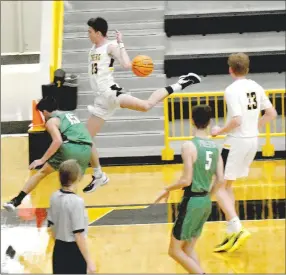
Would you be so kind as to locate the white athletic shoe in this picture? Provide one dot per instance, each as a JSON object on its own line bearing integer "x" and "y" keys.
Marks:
{"x": 10, "y": 205}
{"x": 189, "y": 79}
{"x": 96, "y": 182}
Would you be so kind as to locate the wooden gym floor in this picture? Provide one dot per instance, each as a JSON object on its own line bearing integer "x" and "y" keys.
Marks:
{"x": 129, "y": 235}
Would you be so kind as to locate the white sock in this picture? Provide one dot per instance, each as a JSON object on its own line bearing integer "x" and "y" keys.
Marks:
{"x": 233, "y": 226}
{"x": 176, "y": 87}
{"x": 97, "y": 172}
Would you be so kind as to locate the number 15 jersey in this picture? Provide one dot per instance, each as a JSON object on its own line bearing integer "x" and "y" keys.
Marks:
{"x": 71, "y": 128}
{"x": 100, "y": 68}
{"x": 245, "y": 98}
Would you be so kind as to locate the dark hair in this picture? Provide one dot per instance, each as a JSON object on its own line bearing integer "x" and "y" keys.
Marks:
{"x": 201, "y": 115}
{"x": 98, "y": 24}
{"x": 239, "y": 63}
{"x": 69, "y": 172}
{"x": 48, "y": 103}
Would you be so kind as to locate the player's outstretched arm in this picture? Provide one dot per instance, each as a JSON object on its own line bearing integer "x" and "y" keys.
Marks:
{"x": 52, "y": 127}
{"x": 119, "y": 52}
{"x": 188, "y": 155}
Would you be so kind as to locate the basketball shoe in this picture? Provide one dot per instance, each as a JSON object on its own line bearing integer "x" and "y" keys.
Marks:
{"x": 189, "y": 79}
{"x": 239, "y": 239}
{"x": 97, "y": 180}
{"x": 233, "y": 241}
{"x": 11, "y": 205}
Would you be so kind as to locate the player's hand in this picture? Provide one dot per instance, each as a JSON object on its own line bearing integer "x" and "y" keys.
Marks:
{"x": 36, "y": 163}
{"x": 91, "y": 268}
{"x": 118, "y": 36}
{"x": 163, "y": 195}
{"x": 215, "y": 131}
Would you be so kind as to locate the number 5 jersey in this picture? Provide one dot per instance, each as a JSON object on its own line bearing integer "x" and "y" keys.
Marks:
{"x": 204, "y": 168}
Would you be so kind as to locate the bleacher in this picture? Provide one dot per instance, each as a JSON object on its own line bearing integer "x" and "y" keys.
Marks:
{"x": 180, "y": 36}
{"x": 203, "y": 33}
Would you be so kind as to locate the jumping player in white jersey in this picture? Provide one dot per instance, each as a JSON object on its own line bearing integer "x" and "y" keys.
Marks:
{"x": 108, "y": 94}
{"x": 245, "y": 100}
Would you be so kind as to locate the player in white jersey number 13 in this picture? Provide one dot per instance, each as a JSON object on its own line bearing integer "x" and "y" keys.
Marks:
{"x": 108, "y": 94}
{"x": 245, "y": 99}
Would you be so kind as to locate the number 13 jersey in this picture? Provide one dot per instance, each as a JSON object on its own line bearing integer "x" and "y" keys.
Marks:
{"x": 100, "y": 68}
{"x": 245, "y": 98}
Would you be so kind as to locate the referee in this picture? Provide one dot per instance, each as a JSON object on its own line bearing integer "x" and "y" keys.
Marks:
{"x": 68, "y": 221}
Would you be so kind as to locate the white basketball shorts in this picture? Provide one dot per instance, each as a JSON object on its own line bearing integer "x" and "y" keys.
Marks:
{"x": 105, "y": 103}
{"x": 237, "y": 155}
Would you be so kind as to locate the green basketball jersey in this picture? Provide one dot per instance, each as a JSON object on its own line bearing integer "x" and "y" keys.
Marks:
{"x": 72, "y": 128}
{"x": 205, "y": 165}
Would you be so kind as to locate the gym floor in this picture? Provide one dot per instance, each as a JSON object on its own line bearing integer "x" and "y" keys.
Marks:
{"x": 128, "y": 234}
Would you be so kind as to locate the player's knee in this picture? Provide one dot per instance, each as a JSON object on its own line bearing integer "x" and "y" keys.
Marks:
{"x": 44, "y": 171}
{"x": 41, "y": 174}
{"x": 222, "y": 186}
{"x": 146, "y": 106}
{"x": 172, "y": 252}
{"x": 228, "y": 186}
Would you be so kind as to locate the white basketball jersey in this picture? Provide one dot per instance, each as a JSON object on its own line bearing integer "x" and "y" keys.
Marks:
{"x": 100, "y": 68}
{"x": 246, "y": 98}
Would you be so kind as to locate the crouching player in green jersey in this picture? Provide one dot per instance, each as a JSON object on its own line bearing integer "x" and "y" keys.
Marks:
{"x": 201, "y": 161}
{"x": 70, "y": 140}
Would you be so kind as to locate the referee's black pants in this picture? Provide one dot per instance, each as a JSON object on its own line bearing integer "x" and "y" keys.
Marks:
{"x": 67, "y": 259}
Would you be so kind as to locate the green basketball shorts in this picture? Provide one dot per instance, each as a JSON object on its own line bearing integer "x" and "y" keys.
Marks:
{"x": 193, "y": 213}
{"x": 79, "y": 152}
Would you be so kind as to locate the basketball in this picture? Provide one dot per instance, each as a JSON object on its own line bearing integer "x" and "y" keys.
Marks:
{"x": 142, "y": 65}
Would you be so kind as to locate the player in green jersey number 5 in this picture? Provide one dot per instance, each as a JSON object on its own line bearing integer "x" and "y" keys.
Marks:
{"x": 201, "y": 161}
{"x": 70, "y": 140}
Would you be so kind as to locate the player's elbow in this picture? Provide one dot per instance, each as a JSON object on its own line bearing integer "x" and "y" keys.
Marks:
{"x": 271, "y": 113}
{"x": 237, "y": 121}
{"x": 127, "y": 65}
{"x": 58, "y": 142}
{"x": 186, "y": 181}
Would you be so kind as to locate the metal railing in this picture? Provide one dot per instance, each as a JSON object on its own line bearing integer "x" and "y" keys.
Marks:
{"x": 57, "y": 37}
{"x": 181, "y": 129}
